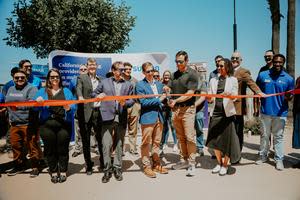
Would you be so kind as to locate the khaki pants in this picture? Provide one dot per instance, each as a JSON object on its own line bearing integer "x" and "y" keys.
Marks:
{"x": 184, "y": 123}
{"x": 20, "y": 138}
{"x": 133, "y": 115}
{"x": 151, "y": 135}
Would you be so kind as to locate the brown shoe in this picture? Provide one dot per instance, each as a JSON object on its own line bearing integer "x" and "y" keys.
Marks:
{"x": 160, "y": 169}
{"x": 149, "y": 172}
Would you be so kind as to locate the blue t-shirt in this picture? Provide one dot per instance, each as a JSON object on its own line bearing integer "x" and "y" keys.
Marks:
{"x": 270, "y": 84}
{"x": 72, "y": 85}
{"x": 7, "y": 86}
{"x": 2, "y": 98}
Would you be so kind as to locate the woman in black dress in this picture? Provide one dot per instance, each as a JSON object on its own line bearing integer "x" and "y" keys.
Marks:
{"x": 221, "y": 132}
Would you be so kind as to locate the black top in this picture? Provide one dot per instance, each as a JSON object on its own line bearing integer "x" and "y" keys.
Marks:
{"x": 57, "y": 111}
{"x": 219, "y": 108}
{"x": 202, "y": 87}
{"x": 180, "y": 83}
{"x": 296, "y": 106}
{"x": 264, "y": 68}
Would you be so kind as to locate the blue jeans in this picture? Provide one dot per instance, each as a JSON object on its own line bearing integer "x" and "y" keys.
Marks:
{"x": 168, "y": 124}
{"x": 199, "y": 124}
{"x": 275, "y": 125}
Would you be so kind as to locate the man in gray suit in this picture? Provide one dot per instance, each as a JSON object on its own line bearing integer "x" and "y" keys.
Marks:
{"x": 114, "y": 116}
{"x": 88, "y": 114}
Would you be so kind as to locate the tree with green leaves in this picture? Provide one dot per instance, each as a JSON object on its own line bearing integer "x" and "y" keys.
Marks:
{"x": 94, "y": 26}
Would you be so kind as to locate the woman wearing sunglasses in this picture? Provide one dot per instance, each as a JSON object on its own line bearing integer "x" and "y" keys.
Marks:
{"x": 55, "y": 125}
{"x": 222, "y": 135}
{"x": 21, "y": 134}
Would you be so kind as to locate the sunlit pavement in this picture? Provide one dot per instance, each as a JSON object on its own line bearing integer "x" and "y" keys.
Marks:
{"x": 243, "y": 181}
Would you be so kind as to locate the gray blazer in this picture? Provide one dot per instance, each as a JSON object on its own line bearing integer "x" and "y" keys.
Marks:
{"x": 108, "y": 108}
{"x": 84, "y": 88}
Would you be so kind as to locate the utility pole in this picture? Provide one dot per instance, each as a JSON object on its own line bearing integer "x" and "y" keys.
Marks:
{"x": 234, "y": 28}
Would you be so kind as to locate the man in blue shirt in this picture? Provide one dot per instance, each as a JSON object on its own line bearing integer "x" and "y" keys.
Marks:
{"x": 26, "y": 66}
{"x": 274, "y": 109}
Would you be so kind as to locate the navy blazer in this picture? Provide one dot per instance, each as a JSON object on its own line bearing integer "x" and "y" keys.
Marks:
{"x": 108, "y": 108}
{"x": 151, "y": 108}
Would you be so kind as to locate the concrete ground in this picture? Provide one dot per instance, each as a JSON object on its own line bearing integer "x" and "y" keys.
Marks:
{"x": 244, "y": 181}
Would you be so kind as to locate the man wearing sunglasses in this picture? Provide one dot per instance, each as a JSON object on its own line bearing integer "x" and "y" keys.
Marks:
{"x": 21, "y": 134}
{"x": 151, "y": 121}
{"x": 269, "y": 64}
{"x": 156, "y": 75}
{"x": 184, "y": 81}
{"x": 244, "y": 80}
{"x": 133, "y": 112}
{"x": 268, "y": 59}
{"x": 26, "y": 66}
{"x": 114, "y": 120}
{"x": 215, "y": 73}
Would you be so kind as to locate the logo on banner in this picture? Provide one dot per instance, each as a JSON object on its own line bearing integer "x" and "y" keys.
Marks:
{"x": 68, "y": 66}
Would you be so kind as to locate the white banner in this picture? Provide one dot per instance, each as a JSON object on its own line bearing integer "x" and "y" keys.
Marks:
{"x": 68, "y": 62}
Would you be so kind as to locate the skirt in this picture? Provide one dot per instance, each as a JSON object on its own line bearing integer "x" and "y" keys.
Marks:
{"x": 222, "y": 136}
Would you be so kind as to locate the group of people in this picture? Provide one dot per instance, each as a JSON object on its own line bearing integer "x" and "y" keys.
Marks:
{"x": 107, "y": 121}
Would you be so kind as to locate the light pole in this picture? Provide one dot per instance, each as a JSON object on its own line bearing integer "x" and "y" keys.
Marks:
{"x": 234, "y": 28}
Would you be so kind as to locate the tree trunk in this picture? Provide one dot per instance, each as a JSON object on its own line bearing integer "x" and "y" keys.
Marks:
{"x": 290, "y": 48}
{"x": 275, "y": 16}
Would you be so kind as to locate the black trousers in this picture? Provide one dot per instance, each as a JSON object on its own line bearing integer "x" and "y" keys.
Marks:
{"x": 85, "y": 132}
{"x": 239, "y": 126}
{"x": 56, "y": 135}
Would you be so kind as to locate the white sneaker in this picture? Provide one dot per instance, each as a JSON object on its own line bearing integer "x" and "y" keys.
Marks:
{"x": 175, "y": 148}
{"x": 223, "y": 171}
{"x": 216, "y": 169}
{"x": 279, "y": 165}
{"x": 164, "y": 147}
{"x": 191, "y": 171}
{"x": 181, "y": 165}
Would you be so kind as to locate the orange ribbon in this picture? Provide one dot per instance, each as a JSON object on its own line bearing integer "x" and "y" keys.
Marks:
{"x": 117, "y": 98}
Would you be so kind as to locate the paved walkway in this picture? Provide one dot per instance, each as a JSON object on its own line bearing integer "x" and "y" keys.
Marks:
{"x": 245, "y": 181}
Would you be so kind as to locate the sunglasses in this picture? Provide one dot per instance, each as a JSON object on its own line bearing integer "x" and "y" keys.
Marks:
{"x": 83, "y": 70}
{"x": 221, "y": 66}
{"x": 155, "y": 76}
{"x": 268, "y": 58}
{"x": 275, "y": 62}
{"x": 235, "y": 58}
{"x": 54, "y": 77}
{"x": 179, "y": 61}
{"x": 19, "y": 77}
{"x": 149, "y": 71}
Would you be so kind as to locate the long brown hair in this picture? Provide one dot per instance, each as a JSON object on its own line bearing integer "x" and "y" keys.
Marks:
{"x": 48, "y": 83}
{"x": 163, "y": 79}
{"x": 228, "y": 66}
{"x": 297, "y": 83}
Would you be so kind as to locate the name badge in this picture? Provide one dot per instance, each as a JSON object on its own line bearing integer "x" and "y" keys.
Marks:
{"x": 267, "y": 81}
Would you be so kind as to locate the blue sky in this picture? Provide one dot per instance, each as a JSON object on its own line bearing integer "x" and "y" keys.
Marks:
{"x": 201, "y": 27}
